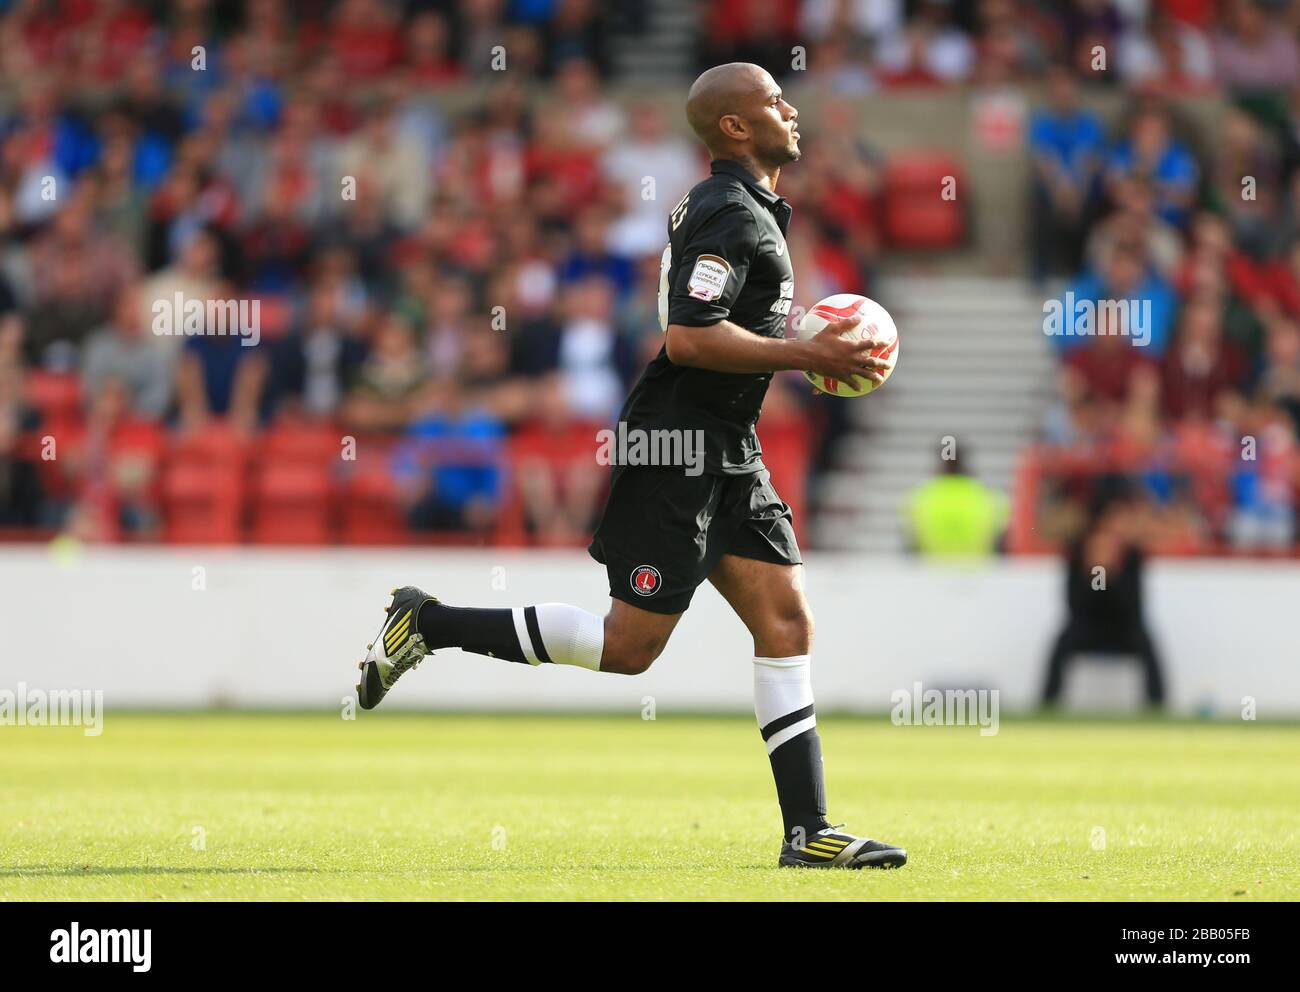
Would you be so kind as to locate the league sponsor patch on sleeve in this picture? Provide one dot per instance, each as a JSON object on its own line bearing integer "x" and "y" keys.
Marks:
{"x": 708, "y": 278}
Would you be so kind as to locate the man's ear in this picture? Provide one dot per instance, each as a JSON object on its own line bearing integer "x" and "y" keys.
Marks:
{"x": 733, "y": 127}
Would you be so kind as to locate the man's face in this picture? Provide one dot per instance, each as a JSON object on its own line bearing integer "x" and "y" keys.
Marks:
{"x": 774, "y": 124}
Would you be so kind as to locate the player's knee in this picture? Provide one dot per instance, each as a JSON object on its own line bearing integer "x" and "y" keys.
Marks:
{"x": 785, "y": 634}
{"x": 629, "y": 659}
{"x": 624, "y": 654}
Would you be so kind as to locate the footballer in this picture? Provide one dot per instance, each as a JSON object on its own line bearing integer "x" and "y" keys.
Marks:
{"x": 725, "y": 293}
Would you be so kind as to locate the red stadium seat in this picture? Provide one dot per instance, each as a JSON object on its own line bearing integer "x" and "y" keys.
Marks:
{"x": 371, "y": 511}
{"x": 57, "y": 397}
{"x": 291, "y": 505}
{"x": 916, "y": 213}
{"x": 293, "y": 442}
{"x": 201, "y": 504}
{"x": 203, "y": 486}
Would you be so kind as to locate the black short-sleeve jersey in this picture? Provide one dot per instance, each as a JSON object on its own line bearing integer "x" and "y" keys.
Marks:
{"x": 726, "y": 260}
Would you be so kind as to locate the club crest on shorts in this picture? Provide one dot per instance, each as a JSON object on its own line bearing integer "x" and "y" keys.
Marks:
{"x": 645, "y": 580}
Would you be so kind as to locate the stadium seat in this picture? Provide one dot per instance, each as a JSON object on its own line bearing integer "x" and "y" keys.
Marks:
{"x": 291, "y": 505}
{"x": 203, "y": 486}
{"x": 201, "y": 504}
{"x": 371, "y": 511}
{"x": 916, "y": 214}
{"x": 56, "y": 396}
{"x": 294, "y": 442}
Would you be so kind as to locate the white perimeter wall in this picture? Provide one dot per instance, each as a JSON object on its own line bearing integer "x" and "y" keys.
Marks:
{"x": 286, "y": 629}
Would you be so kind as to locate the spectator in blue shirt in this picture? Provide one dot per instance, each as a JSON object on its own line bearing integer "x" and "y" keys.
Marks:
{"x": 1067, "y": 145}
{"x": 1152, "y": 154}
{"x": 1149, "y": 310}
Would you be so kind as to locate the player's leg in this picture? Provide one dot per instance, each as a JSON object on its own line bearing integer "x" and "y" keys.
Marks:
{"x": 769, "y": 600}
{"x": 760, "y": 574}
{"x": 650, "y": 543}
{"x": 626, "y": 641}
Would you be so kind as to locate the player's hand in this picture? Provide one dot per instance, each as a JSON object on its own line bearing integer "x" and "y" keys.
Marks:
{"x": 838, "y": 357}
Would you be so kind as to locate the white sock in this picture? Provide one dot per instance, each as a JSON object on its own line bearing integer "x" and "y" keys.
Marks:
{"x": 565, "y": 635}
{"x": 783, "y": 689}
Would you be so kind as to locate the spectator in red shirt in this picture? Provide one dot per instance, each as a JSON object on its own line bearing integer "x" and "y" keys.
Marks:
{"x": 364, "y": 38}
{"x": 427, "y": 58}
{"x": 1201, "y": 366}
{"x": 1109, "y": 366}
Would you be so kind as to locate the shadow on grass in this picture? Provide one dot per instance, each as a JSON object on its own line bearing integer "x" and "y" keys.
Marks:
{"x": 83, "y": 871}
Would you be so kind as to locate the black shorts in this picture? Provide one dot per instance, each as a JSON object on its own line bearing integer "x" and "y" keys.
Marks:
{"x": 663, "y": 531}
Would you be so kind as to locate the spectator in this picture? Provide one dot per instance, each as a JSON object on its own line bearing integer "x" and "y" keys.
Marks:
{"x": 592, "y": 257}
{"x": 649, "y": 153}
{"x": 427, "y": 50}
{"x": 1171, "y": 55}
{"x": 390, "y": 382}
{"x": 839, "y": 67}
{"x": 1066, "y": 144}
{"x": 1104, "y": 579}
{"x": 1263, "y": 486}
{"x": 451, "y": 465}
{"x": 927, "y": 51}
{"x": 1092, "y": 30}
{"x": 594, "y": 362}
{"x": 220, "y": 375}
{"x": 388, "y": 164}
{"x": 560, "y": 482}
{"x": 1134, "y": 224}
{"x": 1151, "y": 153}
{"x": 1277, "y": 379}
{"x": 759, "y": 31}
{"x": 1254, "y": 50}
{"x": 313, "y": 368}
{"x": 1109, "y": 368}
{"x": 21, "y": 503}
{"x": 1246, "y": 175}
{"x": 1200, "y": 366}
{"x": 1148, "y": 303}
{"x": 868, "y": 19}
{"x": 112, "y": 467}
{"x": 122, "y": 351}
{"x": 194, "y": 276}
{"x": 955, "y": 515}
{"x": 596, "y": 121}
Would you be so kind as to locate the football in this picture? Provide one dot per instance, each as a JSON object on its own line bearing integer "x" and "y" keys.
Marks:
{"x": 876, "y": 323}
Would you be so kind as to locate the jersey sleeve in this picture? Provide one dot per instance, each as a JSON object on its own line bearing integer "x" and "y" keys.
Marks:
{"x": 715, "y": 261}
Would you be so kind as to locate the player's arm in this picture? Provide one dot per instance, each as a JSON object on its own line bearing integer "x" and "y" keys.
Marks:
{"x": 728, "y": 347}
{"x": 695, "y": 310}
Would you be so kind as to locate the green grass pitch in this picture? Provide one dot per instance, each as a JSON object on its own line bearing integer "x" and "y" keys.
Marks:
{"x": 432, "y": 806}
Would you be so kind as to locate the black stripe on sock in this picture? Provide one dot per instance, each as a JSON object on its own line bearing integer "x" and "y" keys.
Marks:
{"x": 781, "y": 722}
{"x": 535, "y": 634}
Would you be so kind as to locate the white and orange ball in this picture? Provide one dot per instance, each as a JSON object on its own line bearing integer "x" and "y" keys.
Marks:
{"x": 876, "y": 323}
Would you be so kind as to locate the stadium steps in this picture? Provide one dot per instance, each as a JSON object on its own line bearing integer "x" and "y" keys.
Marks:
{"x": 664, "y": 46}
{"x": 974, "y": 365}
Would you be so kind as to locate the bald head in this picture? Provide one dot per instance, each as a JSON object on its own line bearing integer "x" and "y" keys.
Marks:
{"x": 722, "y": 90}
{"x": 739, "y": 113}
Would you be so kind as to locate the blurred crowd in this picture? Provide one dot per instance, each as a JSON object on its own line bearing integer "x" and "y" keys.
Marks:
{"x": 461, "y": 283}
{"x": 1190, "y": 396}
{"x": 457, "y": 258}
